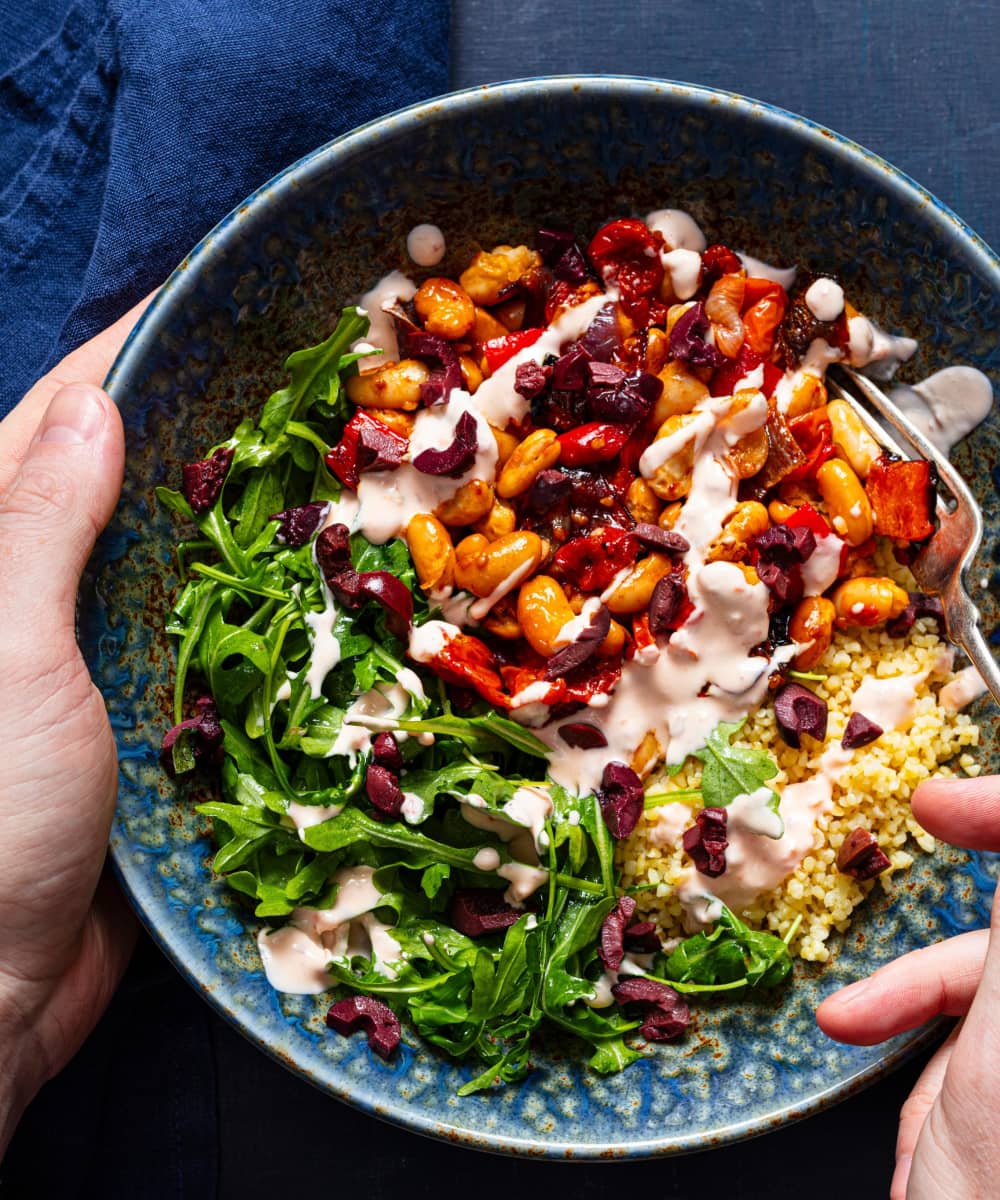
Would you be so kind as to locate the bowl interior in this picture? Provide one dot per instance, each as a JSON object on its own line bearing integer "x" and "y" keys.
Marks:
{"x": 489, "y": 166}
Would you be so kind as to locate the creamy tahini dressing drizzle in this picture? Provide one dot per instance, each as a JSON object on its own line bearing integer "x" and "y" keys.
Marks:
{"x": 378, "y": 709}
{"x": 382, "y": 329}
{"x": 388, "y": 499}
{"x": 680, "y": 230}
{"x": 425, "y": 245}
{"x": 495, "y": 397}
{"x": 295, "y": 956}
{"x": 968, "y": 685}
{"x": 947, "y": 405}
{"x": 756, "y": 862}
{"x": 890, "y": 702}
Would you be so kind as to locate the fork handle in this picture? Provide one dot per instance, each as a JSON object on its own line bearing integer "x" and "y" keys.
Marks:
{"x": 963, "y": 628}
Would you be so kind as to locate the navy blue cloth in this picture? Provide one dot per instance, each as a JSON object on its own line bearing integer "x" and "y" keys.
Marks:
{"x": 137, "y": 124}
{"x": 913, "y": 80}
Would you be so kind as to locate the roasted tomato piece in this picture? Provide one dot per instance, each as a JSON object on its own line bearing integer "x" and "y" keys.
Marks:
{"x": 629, "y": 253}
{"x": 366, "y": 444}
{"x": 592, "y": 679}
{"x": 903, "y": 497}
{"x": 467, "y": 662}
{"x": 726, "y": 377}
{"x": 591, "y": 562}
{"x": 498, "y": 350}
{"x": 814, "y": 434}
{"x": 595, "y": 442}
{"x": 718, "y": 260}
{"x": 764, "y": 307}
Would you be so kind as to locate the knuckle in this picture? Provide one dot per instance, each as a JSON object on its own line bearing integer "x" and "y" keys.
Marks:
{"x": 38, "y": 495}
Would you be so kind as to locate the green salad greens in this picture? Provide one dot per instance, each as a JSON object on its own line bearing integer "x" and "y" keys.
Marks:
{"x": 245, "y": 623}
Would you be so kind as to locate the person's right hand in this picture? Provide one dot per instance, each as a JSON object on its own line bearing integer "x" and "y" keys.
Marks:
{"x": 65, "y": 936}
{"x": 948, "y": 1147}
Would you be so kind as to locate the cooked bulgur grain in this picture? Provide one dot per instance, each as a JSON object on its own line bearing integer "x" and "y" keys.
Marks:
{"x": 873, "y": 791}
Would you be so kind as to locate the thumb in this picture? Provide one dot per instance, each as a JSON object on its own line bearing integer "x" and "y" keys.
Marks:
{"x": 50, "y": 515}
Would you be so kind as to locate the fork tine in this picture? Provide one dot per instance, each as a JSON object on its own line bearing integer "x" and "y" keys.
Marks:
{"x": 964, "y": 523}
{"x": 921, "y": 446}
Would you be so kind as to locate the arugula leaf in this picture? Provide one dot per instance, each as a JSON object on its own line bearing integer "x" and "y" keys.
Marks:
{"x": 732, "y": 771}
{"x": 314, "y": 375}
{"x": 733, "y": 955}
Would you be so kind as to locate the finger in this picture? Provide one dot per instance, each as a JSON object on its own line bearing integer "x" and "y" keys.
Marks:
{"x": 977, "y": 1054}
{"x": 965, "y": 812}
{"x": 914, "y": 1113}
{"x": 938, "y": 980}
{"x": 50, "y": 515}
{"x": 89, "y": 363}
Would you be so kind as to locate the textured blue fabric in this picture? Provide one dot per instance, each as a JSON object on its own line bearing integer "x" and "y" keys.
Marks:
{"x": 913, "y": 80}
{"x": 136, "y": 124}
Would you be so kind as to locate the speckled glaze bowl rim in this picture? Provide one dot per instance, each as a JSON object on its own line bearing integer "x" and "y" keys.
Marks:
{"x": 876, "y": 173}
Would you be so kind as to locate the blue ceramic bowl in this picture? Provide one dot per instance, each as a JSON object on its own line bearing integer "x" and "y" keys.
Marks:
{"x": 489, "y": 165}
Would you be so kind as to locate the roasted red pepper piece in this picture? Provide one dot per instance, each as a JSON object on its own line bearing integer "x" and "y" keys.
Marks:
{"x": 498, "y": 350}
{"x": 814, "y": 434}
{"x": 642, "y": 637}
{"x": 764, "y": 307}
{"x": 595, "y": 442}
{"x": 903, "y": 497}
{"x": 350, "y": 458}
{"x": 806, "y": 515}
{"x": 591, "y": 562}
{"x": 628, "y": 252}
{"x": 468, "y": 663}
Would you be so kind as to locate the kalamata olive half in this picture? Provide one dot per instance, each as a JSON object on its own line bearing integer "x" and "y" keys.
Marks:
{"x": 457, "y": 458}
{"x": 860, "y": 731}
{"x": 798, "y": 710}
{"x": 375, "y": 1017}
{"x": 583, "y": 649}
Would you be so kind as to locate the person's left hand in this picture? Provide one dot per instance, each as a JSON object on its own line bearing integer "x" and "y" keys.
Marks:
{"x": 65, "y": 933}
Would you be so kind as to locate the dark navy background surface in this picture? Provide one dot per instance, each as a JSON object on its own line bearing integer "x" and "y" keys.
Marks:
{"x": 165, "y": 1099}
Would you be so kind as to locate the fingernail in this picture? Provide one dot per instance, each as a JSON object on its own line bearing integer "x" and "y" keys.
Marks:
{"x": 852, "y": 993}
{"x": 75, "y": 414}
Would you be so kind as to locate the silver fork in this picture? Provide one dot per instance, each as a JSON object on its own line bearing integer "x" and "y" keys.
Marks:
{"x": 940, "y": 565}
